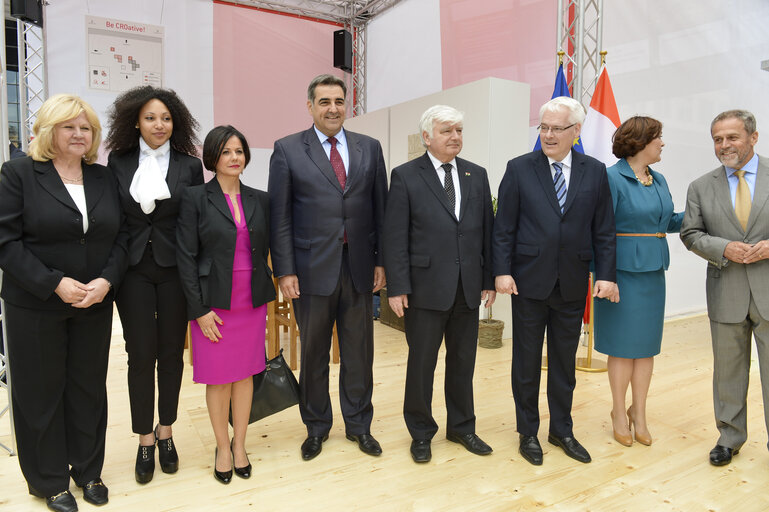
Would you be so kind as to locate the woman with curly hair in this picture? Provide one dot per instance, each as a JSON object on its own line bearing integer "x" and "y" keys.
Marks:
{"x": 152, "y": 139}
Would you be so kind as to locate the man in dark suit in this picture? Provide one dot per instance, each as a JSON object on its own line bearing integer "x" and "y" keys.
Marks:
{"x": 437, "y": 243}
{"x": 327, "y": 191}
{"x": 554, "y": 216}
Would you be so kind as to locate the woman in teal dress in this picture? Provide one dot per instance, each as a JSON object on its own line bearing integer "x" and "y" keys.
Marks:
{"x": 630, "y": 331}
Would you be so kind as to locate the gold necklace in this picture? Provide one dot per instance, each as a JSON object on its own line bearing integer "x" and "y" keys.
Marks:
{"x": 648, "y": 182}
{"x": 68, "y": 180}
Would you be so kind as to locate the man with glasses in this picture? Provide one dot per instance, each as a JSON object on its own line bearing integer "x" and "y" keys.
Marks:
{"x": 554, "y": 216}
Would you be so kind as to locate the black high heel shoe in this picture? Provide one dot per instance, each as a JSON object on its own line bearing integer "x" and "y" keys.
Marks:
{"x": 244, "y": 472}
{"x": 224, "y": 477}
{"x": 169, "y": 459}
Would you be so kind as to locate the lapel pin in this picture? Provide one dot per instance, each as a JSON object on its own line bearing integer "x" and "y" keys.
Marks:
{"x": 467, "y": 174}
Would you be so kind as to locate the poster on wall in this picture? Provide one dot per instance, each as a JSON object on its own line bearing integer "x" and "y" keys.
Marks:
{"x": 123, "y": 54}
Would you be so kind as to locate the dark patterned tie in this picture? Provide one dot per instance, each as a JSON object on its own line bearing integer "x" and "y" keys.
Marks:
{"x": 448, "y": 186}
{"x": 560, "y": 184}
{"x": 336, "y": 163}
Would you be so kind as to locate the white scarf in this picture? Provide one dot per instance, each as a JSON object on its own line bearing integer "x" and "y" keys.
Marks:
{"x": 149, "y": 184}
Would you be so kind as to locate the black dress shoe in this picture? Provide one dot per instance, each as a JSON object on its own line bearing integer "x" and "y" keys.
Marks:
{"x": 472, "y": 442}
{"x": 531, "y": 450}
{"x": 169, "y": 459}
{"x": 62, "y": 502}
{"x": 312, "y": 445}
{"x": 224, "y": 477}
{"x": 95, "y": 492}
{"x": 420, "y": 450}
{"x": 245, "y": 471}
{"x": 570, "y": 447}
{"x": 145, "y": 464}
{"x": 366, "y": 443}
{"x": 722, "y": 455}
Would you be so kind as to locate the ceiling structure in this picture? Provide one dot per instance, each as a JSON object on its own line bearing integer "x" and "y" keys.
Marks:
{"x": 346, "y": 12}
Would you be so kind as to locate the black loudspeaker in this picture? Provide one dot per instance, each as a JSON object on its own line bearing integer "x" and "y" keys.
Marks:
{"x": 30, "y": 11}
{"x": 343, "y": 50}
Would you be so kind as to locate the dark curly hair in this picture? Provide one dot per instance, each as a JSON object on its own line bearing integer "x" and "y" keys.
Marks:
{"x": 633, "y": 135}
{"x": 215, "y": 142}
{"x": 123, "y": 116}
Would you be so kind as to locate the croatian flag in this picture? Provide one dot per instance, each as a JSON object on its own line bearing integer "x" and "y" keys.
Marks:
{"x": 561, "y": 88}
{"x": 601, "y": 122}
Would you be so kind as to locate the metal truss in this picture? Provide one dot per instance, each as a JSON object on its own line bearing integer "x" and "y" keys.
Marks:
{"x": 580, "y": 32}
{"x": 353, "y": 15}
{"x": 33, "y": 79}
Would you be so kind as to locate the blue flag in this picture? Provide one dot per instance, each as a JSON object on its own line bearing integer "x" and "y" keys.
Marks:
{"x": 561, "y": 88}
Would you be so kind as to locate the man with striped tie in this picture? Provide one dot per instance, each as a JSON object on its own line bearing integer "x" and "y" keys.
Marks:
{"x": 554, "y": 216}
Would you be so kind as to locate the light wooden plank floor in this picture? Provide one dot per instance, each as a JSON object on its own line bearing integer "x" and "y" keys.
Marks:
{"x": 671, "y": 475}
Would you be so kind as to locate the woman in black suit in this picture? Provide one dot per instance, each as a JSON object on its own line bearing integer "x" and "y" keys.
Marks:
{"x": 62, "y": 249}
{"x": 152, "y": 138}
{"x": 223, "y": 237}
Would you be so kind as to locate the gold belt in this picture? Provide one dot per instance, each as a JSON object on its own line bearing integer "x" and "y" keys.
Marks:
{"x": 655, "y": 235}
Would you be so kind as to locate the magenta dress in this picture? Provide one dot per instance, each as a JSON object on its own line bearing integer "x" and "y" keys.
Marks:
{"x": 240, "y": 351}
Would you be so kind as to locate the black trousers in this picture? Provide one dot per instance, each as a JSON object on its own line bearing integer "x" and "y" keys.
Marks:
{"x": 563, "y": 320}
{"x": 425, "y": 330}
{"x": 153, "y": 312}
{"x": 315, "y": 316}
{"x": 59, "y": 371}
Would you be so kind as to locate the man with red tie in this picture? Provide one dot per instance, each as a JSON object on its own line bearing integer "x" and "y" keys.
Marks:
{"x": 328, "y": 188}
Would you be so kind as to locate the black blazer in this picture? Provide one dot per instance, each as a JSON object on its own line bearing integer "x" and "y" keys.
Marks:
{"x": 538, "y": 245}
{"x": 206, "y": 234}
{"x": 41, "y": 232}
{"x": 160, "y": 225}
{"x": 310, "y": 212}
{"x": 426, "y": 248}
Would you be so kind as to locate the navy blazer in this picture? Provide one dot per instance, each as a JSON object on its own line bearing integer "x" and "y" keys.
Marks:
{"x": 538, "y": 245}
{"x": 310, "y": 212}
{"x": 426, "y": 248}
{"x": 160, "y": 225}
{"x": 206, "y": 235}
{"x": 41, "y": 232}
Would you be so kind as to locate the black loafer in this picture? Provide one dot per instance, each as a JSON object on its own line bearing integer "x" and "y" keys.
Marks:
{"x": 169, "y": 459}
{"x": 531, "y": 450}
{"x": 420, "y": 450}
{"x": 245, "y": 471}
{"x": 570, "y": 447}
{"x": 472, "y": 442}
{"x": 722, "y": 455}
{"x": 62, "y": 502}
{"x": 312, "y": 445}
{"x": 366, "y": 443}
{"x": 145, "y": 464}
{"x": 224, "y": 477}
{"x": 95, "y": 492}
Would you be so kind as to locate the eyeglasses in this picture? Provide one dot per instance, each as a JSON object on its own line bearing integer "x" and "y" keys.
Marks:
{"x": 543, "y": 128}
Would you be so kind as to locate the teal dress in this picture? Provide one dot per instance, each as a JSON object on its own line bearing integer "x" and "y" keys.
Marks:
{"x": 632, "y": 328}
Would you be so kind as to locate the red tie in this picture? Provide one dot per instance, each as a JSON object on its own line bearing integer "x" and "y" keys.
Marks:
{"x": 336, "y": 163}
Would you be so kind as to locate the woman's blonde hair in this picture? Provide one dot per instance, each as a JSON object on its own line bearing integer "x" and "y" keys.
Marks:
{"x": 55, "y": 110}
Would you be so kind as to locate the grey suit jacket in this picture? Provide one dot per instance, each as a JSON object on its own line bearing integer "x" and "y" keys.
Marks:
{"x": 710, "y": 224}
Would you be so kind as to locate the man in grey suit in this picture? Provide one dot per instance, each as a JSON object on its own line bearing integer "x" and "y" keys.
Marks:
{"x": 727, "y": 223}
{"x": 328, "y": 189}
{"x": 437, "y": 249}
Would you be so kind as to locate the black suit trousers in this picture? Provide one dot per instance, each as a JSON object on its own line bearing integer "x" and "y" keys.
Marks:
{"x": 563, "y": 320}
{"x": 59, "y": 371}
{"x": 425, "y": 330}
{"x": 153, "y": 312}
{"x": 354, "y": 315}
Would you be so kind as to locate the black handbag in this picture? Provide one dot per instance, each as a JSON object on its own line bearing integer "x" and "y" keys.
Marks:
{"x": 275, "y": 389}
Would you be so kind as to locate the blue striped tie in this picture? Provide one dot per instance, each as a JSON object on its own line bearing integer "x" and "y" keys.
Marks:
{"x": 560, "y": 184}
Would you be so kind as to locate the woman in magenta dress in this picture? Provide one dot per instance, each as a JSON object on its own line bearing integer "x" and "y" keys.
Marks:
{"x": 223, "y": 239}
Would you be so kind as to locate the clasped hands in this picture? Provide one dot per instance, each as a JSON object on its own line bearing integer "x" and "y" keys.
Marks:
{"x": 601, "y": 289}
{"x": 80, "y": 295}
{"x": 740, "y": 252}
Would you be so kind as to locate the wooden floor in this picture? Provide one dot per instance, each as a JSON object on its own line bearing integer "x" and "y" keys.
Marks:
{"x": 672, "y": 475}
